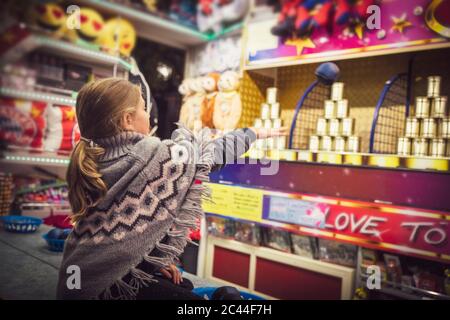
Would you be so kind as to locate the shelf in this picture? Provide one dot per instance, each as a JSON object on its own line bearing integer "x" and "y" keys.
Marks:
{"x": 34, "y": 163}
{"x": 413, "y": 294}
{"x": 41, "y": 187}
{"x": 403, "y": 187}
{"x": 38, "y": 96}
{"x": 91, "y": 55}
{"x": 158, "y": 29}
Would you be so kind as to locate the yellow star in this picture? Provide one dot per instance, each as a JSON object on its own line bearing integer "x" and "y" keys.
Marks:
{"x": 400, "y": 23}
{"x": 35, "y": 112}
{"x": 70, "y": 114}
{"x": 300, "y": 43}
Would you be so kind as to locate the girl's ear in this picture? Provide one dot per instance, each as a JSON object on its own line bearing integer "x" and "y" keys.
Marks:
{"x": 127, "y": 121}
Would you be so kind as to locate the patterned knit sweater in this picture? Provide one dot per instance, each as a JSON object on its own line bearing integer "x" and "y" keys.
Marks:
{"x": 153, "y": 199}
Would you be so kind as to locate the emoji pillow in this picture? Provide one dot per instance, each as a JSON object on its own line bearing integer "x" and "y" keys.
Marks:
{"x": 118, "y": 36}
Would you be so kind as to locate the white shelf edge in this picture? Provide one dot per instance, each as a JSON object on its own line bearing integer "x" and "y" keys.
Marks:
{"x": 38, "y": 96}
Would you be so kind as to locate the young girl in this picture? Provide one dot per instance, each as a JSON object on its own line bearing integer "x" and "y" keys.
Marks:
{"x": 135, "y": 197}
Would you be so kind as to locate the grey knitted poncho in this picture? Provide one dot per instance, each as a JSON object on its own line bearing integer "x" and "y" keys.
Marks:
{"x": 152, "y": 201}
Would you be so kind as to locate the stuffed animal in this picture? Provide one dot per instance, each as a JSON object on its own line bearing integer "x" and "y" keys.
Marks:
{"x": 118, "y": 36}
{"x": 91, "y": 25}
{"x": 50, "y": 17}
{"x": 209, "y": 17}
{"x": 185, "y": 90}
{"x": 191, "y": 113}
{"x": 228, "y": 105}
{"x": 286, "y": 18}
{"x": 233, "y": 10}
{"x": 184, "y": 12}
{"x": 207, "y": 111}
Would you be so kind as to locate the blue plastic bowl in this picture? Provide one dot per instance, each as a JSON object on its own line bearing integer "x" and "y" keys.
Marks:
{"x": 21, "y": 224}
{"x": 208, "y": 292}
{"x": 56, "y": 245}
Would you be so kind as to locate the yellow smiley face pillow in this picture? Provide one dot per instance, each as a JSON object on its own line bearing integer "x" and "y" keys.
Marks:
{"x": 49, "y": 17}
{"x": 118, "y": 36}
{"x": 91, "y": 25}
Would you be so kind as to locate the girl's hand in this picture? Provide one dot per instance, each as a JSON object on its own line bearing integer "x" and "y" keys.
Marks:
{"x": 173, "y": 273}
{"x": 262, "y": 133}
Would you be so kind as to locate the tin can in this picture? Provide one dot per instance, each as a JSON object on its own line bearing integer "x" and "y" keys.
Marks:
{"x": 434, "y": 86}
{"x": 404, "y": 146}
{"x": 280, "y": 143}
{"x": 322, "y": 127}
{"x": 422, "y": 107}
{"x": 276, "y": 123}
{"x": 327, "y": 143}
{"x": 261, "y": 144}
{"x": 439, "y": 107}
{"x": 271, "y": 96}
{"x": 265, "y": 111}
{"x": 314, "y": 143}
{"x": 330, "y": 109}
{"x": 342, "y": 109}
{"x": 353, "y": 144}
{"x": 412, "y": 128}
{"x": 420, "y": 147}
{"x": 437, "y": 148}
{"x": 258, "y": 123}
{"x": 334, "y": 127}
{"x": 275, "y": 110}
{"x": 270, "y": 143}
{"x": 429, "y": 128}
{"x": 267, "y": 124}
{"x": 337, "y": 91}
{"x": 444, "y": 130}
{"x": 339, "y": 144}
{"x": 348, "y": 126}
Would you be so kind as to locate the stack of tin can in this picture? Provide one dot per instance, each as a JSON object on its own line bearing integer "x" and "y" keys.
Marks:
{"x": 427, "y": 133}
{"x": 335, "y": 130}
{"x": 270, "y": 119}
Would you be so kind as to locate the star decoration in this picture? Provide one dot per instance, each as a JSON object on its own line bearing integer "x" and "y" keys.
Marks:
{"x": 300, "y": 44}
{"x": 70, "y": 114}
{"x": 35, "y": 112}
{"x": 399, "y": 24}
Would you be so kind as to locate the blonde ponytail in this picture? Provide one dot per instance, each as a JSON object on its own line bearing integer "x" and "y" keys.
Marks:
{"x": 100, "y": 107}
{"x": 86, "y": 187}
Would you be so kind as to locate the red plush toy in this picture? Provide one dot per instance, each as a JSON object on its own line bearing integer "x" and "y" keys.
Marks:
{"x": 301, "y": 17}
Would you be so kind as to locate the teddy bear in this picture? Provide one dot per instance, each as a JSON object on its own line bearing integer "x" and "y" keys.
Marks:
{"x": 190, "y": 114}
{"x": 227, "y": 105}
{"x": 210, "y": 86}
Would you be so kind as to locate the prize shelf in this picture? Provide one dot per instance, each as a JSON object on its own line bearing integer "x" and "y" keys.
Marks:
{"x": 34, "y": 163}
{"x": 158, "y": 29}
{"x": 38, "y": 96}
{"x": 408, "y": 292}
{"x": 66, "y": 49}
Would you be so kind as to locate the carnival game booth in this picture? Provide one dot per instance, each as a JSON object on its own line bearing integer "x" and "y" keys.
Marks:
{"x": 361, "y": 180}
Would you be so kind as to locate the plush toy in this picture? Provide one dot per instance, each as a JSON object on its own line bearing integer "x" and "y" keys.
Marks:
{"x": 184, "y": 12}
{"x": 151, "y": 5}
{"x": 118, "y": 36}
{"x": 91, "y": 25}
{"x": 191, "y": 113}
{"x": 233, "y": 10}
{"x": 209, "y": 16}
{"x": 228, "y": 105}
{"x": 185, "y": 90}
{"x": 207, "y": 111}
{"x": 286, "y": 18}
{"x": 49, "y": 17}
